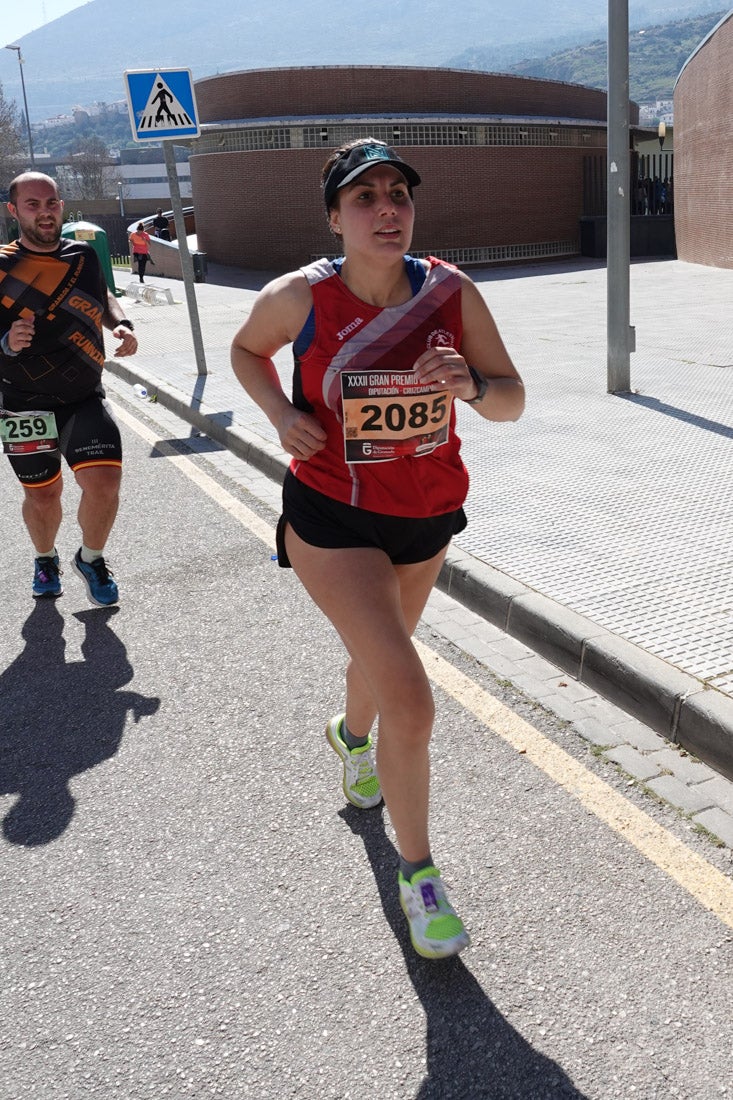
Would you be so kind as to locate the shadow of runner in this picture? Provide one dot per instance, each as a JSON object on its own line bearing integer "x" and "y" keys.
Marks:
{"x": 60, "y": 719}
{"x": 473, "y": 1052}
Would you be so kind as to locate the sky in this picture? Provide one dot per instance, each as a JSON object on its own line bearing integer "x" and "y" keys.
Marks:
{"x": 19, "y": 17}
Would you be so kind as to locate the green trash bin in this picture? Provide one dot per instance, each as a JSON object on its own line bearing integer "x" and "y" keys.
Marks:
{"x": 95, "y": 236}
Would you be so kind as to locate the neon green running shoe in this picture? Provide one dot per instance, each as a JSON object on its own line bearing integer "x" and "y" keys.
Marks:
{"x": 361, "y": 785}
{"x": 435, "y": 930}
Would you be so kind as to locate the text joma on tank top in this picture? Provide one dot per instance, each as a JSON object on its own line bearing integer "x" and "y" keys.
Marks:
{"x": 349, "y": 328}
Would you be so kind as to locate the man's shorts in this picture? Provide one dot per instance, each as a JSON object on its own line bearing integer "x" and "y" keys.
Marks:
{"x": 321, "y": 521}
{"x": 88, "y": 436}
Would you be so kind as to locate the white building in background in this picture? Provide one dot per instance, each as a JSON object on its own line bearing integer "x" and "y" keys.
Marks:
{"x": 57, "y": 120}
{"x": 661, "y": 110}
{"x": 97, "y": 110}
{"x": 142, "y": 174}
{"x": 150, "y": 181}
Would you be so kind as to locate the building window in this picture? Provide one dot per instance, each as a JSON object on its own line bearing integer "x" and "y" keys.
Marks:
{"x": 411, "y": 133}
{"x": 496, "y": 253}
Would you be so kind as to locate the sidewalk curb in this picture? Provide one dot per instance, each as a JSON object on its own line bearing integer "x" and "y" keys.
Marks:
{"x": 684, "y": 710}
{"x": 248, "y": 446}
{"x": 680, "y": 707}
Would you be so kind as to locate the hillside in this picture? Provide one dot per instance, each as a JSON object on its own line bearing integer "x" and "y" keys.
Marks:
{"x": 80, "y": 57}
{"x": 656, "y": 56}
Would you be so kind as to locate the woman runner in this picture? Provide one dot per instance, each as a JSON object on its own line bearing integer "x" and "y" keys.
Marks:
{"x": 384, "y": 344}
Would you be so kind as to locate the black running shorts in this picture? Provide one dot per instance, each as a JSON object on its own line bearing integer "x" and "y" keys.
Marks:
{"x": 88, "y": 436}
{"x": 321, "y": 521}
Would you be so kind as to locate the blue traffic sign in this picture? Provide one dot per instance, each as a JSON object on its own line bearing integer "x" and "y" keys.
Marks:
{"x": 162, "y": 104}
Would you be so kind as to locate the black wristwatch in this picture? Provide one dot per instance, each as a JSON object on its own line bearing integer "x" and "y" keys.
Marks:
{"x": 482, "y": 385}
{"x": 127, "y": 323}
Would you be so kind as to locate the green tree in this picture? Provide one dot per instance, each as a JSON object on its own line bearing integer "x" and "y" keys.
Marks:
{"x": 110, "y": 127}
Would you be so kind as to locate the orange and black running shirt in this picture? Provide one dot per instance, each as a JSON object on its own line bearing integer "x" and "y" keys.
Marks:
{"x": 66, "y": 293}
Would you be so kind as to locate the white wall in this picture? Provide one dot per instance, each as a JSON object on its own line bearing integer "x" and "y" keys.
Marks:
{"x": 150, "y": 181}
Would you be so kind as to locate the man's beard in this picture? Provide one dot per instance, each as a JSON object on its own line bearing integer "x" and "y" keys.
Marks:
{"x": 42, "y": 237}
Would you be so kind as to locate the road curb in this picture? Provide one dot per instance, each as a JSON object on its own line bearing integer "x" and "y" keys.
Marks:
{"x": 684, "y": 710}
{"x": 251, "y": 448}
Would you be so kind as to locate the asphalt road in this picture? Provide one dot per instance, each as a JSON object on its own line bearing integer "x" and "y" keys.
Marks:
{"x": 187, "y": 907}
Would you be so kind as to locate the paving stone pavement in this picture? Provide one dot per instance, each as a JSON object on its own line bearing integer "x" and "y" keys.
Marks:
{"x": 596, "y": 567}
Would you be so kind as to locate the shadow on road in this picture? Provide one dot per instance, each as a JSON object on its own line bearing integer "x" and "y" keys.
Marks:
{"x": 60, "y": 719}
{"x": 473, "y": 1053}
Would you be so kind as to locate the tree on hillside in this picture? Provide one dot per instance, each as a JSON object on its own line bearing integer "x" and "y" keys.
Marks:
{"x": 89, "y": 174}
{"x": 111, "y": 127}
{"x": 656, "y": 56}
{"x": 11, "y": 146}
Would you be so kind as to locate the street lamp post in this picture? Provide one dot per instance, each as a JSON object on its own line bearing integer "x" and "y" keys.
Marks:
{"x": 120, "y": 185}
{"x": 25, "y": 102}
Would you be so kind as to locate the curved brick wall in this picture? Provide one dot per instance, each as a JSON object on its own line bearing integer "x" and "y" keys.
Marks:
{"x": 277, "y": 93}
{"x": 703, "y": 140}
{"x": 261, "y": 207}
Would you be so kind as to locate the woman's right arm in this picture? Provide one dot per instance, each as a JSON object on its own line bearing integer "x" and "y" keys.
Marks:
{"x": 278, "y": 314}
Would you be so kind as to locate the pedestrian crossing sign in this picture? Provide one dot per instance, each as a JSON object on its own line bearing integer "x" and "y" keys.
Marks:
{"x": 162, "y": 104}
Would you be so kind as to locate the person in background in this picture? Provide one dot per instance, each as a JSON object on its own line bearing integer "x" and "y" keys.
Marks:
{"x": 160, "y": 225}
{"x": 54, "y": 305}
{"x": 384, "y": 346}
{"x": 140, "y": 242}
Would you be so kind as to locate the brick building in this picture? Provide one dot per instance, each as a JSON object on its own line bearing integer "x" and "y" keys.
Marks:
{"x": 501, "y": 159}
{"x": 703, "y": 125}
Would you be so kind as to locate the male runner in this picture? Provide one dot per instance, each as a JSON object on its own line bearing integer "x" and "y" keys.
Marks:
{"x": 54, "y": 304}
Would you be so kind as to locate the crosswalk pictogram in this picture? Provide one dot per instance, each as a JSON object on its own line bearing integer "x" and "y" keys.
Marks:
{"x": 163, "y": 109}
{"x": 161, "y": 104}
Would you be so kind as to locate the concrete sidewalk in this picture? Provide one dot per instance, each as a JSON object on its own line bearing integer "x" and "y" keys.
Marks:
{"x": 599, "y": 526}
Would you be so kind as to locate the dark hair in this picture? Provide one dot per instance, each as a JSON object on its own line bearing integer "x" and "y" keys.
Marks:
{"x": 352, "y": 158}
{"x": 343, "y": 150}
{"x": 141, "y": 226}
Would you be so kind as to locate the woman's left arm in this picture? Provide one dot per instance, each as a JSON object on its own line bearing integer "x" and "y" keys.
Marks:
{"x": 483, "y": 349}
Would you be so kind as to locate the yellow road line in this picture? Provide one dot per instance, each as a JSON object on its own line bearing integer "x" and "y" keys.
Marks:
{"x": 711, "y": 888}
{"x": 688, "y": 869}
{"x": 241, "y": 512}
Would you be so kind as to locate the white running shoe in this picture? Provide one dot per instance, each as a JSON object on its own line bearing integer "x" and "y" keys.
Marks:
{"x": 361, "y": 784}
{"x": 435, "y": 930}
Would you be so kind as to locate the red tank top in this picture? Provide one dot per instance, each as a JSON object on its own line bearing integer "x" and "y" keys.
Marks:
{"x": 398, "y": 453}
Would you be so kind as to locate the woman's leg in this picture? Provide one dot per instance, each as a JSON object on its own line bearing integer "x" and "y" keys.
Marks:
{"x": 375, "y": 606}
{"x": 415, "y": 587}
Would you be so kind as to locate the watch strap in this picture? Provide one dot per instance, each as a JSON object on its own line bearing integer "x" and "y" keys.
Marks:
{"x": 482, "y": 385}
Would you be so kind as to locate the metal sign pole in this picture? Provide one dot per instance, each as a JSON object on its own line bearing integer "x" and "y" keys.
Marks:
{"x": 162, "y": 106}
{"x": 620, "y": 335}
{"x": 186, "y": 261}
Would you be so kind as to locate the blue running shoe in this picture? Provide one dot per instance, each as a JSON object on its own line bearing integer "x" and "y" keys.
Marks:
{"x": 47, "y": 578}
{"x": 101, "y": 589}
